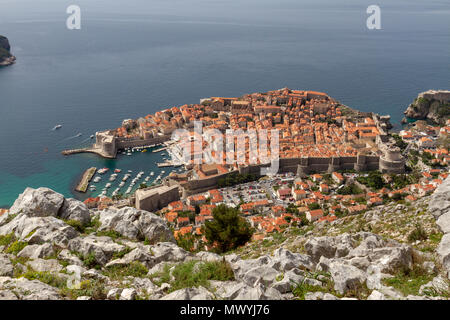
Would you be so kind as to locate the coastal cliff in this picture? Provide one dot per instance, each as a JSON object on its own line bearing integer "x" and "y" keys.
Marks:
{"x": 6, "y": 58}
{"x": 431, "y": 105}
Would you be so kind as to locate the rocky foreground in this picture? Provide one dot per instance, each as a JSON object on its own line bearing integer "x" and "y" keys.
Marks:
{"x": 56, "y": 248}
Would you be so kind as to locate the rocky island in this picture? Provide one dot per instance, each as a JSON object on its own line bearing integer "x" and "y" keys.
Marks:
{"x": 6, "y": 58}
{"x": 431, "y": 105}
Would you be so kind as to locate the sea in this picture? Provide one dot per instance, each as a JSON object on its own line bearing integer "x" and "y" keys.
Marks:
{"x": 134, "y": 57}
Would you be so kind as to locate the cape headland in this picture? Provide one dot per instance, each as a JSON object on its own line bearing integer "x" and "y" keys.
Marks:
{"x": 6, "y": 58}
{"x": 431, "y": 105}
{"x": 318, "y": 133}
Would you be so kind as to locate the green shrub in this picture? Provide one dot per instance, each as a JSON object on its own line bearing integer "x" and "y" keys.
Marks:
{"x": 6, "y": 240}
{"x": 77, "y": 225}
{"x": 313, "y": 206}
{"x": 91, "y": 288}
{"x": 228, "y": 230}
{"x": 90, "y": 261}
{"x": 186, "y": 277}
{"x": 16, "y": 247}
{"x": 189, "y": 274}
{"x": 121, "y": 254}
{"x": 109, "y": 233}
{"x": 187, "y": 242}
{"x": 45, "y": 277}
{"x": 134, "y": 269}
{"x": 350, "y": 189}
{"x": 409, "y": 281}
{"x": 417, "y": 234}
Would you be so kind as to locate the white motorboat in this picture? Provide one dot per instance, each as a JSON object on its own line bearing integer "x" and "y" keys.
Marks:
{"x": 97, "y": 179}
{"x": 103, "y": 170}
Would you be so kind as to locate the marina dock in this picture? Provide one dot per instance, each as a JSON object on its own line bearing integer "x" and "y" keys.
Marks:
{"x": 87, "y": 176}
{"x": 159, "y": 150}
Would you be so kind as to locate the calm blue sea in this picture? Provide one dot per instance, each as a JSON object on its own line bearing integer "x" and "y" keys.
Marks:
{"x": 134, "y": 57}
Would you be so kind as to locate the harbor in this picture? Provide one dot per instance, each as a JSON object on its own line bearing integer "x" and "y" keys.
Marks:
{"x": 134, "y": 168}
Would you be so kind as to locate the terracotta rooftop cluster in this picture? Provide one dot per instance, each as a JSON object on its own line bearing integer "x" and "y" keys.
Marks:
{"x": 310, "y": 123}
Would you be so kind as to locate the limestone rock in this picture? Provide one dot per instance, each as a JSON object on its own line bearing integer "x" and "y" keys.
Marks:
{"x": 438, "y": 285}
{"x": 376, "y": 295}
{"x": 314, "y": 296}
{"x": 114, "y": 294}
{"x": 264, "y": 275}
{"x": 286, "y": 260}
{"x": 41, "y": 202}
{"x": 39, "y": 230}
{"x": 128, "y": 294}
{"x": 440, "y": 200}
{"x": 75, "y": 210}
{"x": 329, "y": 296}
{"x": 6, "y": 267}
{"x": 283, "y": 286}
{"x": 7, "y": 295}
{"x": 36, "y": 251}
{"x": 43, "y": 265}
{"x": 69, "y": 257}
{"x": 189, "y": 294}
{"x": 443, "y": 251}
{"x": 29, "y": 290}
{"x": 167, "y": 251}
{"x": 443, "y": 222}
{"x": 102, "y": 248}
{"x": 208, "y": 256}
{"x": 138, "y": 255}
{"x": 136, "y": 224}
{"x": 346, "y": 277}
{"x": 321, "y": 246}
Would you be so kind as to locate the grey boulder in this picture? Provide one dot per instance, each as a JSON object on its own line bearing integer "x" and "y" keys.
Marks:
{"x": 75, "y": 210}
{"x": 41, "y": 202}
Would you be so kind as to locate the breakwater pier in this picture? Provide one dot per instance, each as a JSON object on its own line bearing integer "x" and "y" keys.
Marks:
{"x": 84, "y": 182}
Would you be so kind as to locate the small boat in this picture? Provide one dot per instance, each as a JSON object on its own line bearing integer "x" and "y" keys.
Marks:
{"x": 117, "y": 170}
{"x": 102, "y": 171}
{"x": 152, "y": 173}
{"x": 145, "y": 150}
{"x": 92, "y": 136}
{"x": 79, "y": 135}
{"x": 58, "y": 126}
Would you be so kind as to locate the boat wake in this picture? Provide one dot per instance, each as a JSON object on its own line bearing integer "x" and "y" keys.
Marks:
{"x": 73, "y": 137}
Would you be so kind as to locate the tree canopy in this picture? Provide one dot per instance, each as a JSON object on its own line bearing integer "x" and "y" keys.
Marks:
{"x": 228, "y": 230}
